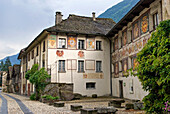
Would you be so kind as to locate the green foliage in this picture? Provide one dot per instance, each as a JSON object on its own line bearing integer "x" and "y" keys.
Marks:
{"x": 32, "y": 71}
{"x": 154, "y": 68}
{"x": 49, "y": 97}
{"x": 33, "y": 97}
{"x": 4, "y": 67}
{"x": 38, "y": 78}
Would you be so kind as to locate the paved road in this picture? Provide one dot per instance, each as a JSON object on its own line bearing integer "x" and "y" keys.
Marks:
{"x": 16, "y": 104}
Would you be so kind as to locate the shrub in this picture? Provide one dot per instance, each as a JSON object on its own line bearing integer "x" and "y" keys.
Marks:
{"x": 33, "y": 97}
{"x": 49, "y": 97}
{"x": 154, "y": 69}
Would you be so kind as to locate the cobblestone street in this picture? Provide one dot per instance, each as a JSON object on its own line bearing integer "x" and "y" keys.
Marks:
{"x": 16, "y": 104}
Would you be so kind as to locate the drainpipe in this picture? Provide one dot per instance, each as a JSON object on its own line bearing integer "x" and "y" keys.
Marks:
{"x": 26, "y": 79}
{"x": 111, "y": 93}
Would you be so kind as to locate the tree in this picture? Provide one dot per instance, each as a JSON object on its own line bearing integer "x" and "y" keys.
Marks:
{"x": 32, "y": 71}
{"x": 7, "y": 64}
{"x": 38, "y": 78}
{"x": 2, "y": 66}
{"x": 154, "y": 69}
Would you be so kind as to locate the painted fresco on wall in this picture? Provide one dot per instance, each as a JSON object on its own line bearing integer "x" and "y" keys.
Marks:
{"x": 116, "y": 44}
{"x": 81, "y": 54}
{"x": 144, "y": 24}
{"x": 136, "y": 30}
{"x": 52, "y": 41}
{"x": 116, "y": 68}
{"x": 93, "y": 76}
{"x": 140, "y": 44}
{"x": 59, "y": 53}
{"x": 124, "y": 38}
{"x": 125, "y": 65}
{"x": 135, "y": 63}
{"x": 72, "y": 42}
{"x": 90, "y": 43}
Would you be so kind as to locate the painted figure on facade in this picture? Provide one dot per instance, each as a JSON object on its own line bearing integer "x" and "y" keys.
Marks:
{"x": 124, "y": 38}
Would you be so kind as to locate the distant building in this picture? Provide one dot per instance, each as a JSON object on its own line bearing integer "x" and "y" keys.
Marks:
{"x": 94, "y": 54}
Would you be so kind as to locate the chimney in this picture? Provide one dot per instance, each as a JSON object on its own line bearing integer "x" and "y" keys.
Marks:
{"x": 94, "y": 17}
{"x": 58, "y": 18}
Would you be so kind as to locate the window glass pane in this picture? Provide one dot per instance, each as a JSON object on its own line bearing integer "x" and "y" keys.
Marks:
{"x": 62, "y": 43}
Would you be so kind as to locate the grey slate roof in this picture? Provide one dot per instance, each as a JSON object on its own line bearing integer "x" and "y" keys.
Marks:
{"x": 83, "y": 25}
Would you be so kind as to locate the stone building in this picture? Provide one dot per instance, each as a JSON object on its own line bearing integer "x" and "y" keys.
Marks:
{"x": 129, "y": 36}
{"x": 4, "y": 77}
{"x": 13, "y": 79}
{"x": 94, "y": 54}
{"x": 74, "y": 51}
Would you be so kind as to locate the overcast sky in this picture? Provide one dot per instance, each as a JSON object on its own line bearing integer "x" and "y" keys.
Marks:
{"x": 22, "y": 20}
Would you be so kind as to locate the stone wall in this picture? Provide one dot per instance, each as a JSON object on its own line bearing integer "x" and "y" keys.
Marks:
{"x": 63, "y": 90}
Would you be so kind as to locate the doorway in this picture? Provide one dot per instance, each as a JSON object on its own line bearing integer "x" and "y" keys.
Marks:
{"x": 120, "y": 88}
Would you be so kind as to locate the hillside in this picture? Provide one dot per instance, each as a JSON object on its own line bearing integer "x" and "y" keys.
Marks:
{"x": 119, "y": 10}
{"x": 13, "y": 59}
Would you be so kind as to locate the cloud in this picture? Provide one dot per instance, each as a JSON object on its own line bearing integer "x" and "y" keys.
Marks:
{"x": 22, "y": 20}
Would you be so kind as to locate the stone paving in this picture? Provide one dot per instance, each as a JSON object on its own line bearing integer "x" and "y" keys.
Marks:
{"x": 37, "y": 107}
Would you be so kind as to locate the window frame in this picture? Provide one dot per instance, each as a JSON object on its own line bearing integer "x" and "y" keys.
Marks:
{"x": 82, "y": 44}
{"x": 37, "y": 51}
{"x": 61, "y": 63}
{"x": 80, "y": 65}
{"x": 44, "y": 46}
{"x": 61, "y": 39}
{"x": 91, "y": 86}
{"x": 100, "y": 45}
{"x": 155, "y": 23}
{"x": 98, "y": 68}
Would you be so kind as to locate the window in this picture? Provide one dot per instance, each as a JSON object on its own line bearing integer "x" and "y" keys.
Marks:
{"x": 80, "y": 66}
{"x": 90, "y": 85}
{"x": 43, "y": 63}
{"x": 43, "y": 60}
{"x": 81, "y": 44}
{"x": 98, "y": 66}
{"x": 155, "y": 20}
{"x": 32, "y": 54}
{"x": 116, "y": 44}
{"x": 44, "y": 46}
{"x": 37, "y": 51}
{"x": 61, "y": 65}
{"x": 98, "y": 45}
{"x": 28, "y": 56}
{"x": 62, "y": 43}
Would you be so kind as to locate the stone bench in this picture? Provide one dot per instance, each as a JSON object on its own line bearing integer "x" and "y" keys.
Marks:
{"x": 129, "y": 106}
{"x": 76, "y": 107}
{"x": 106, "y": 110}
{"x": 88, "y": 111}
{"x": 59, "y": 104}
{"x": 116, "y": 103}
{"x": 138, "y": 105}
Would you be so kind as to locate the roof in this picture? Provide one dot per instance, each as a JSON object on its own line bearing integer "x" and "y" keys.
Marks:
{"x": 21, "y": 52}
{"x": 83, "y": 25}
{"x": 130, "y": 15}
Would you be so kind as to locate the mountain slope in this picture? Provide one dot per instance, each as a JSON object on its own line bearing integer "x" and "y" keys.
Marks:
{"x": 119, "y": 10}
{"x": 13, "y": 59}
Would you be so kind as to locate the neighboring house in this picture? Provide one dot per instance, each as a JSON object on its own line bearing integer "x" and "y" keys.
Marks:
{"x": 4, "y": 77}
{"x": 13, "y": 79}
{"x": 94, "y": 54}
{"x": 129, "y": 36}
{"x": 75, "y": 51}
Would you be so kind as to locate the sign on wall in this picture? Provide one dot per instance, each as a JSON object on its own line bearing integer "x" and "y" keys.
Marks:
{"x": 52, "y": 41}
{"x": 144, "y": 24}
{"x": 93, "y": 76}
{"x": 90, "y": 44}
{"x": 72, "y": 42}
